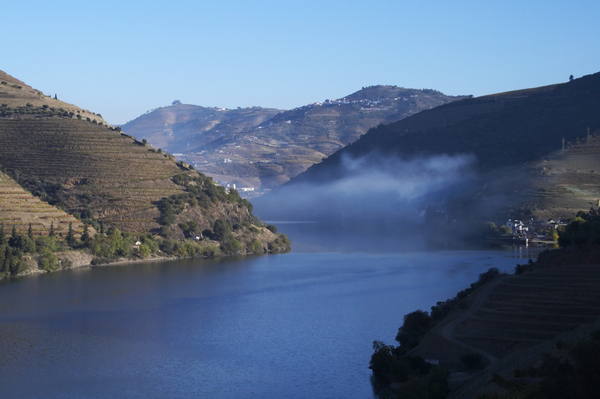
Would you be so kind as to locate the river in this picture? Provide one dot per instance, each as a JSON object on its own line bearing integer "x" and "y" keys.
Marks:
{"x": 299, "y": 324}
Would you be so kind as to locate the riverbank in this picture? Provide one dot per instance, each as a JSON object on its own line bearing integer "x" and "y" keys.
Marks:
{"x": 506, "y": 325}
{"x": 83, "y": 258}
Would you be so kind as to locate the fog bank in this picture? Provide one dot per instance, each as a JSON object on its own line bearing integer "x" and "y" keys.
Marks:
{"x": 373, "y": 189}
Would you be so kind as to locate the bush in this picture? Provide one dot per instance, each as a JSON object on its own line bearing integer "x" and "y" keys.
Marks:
{"x": 231, "y": 246}
{"x": 167, "y": 245}
{"x": 48, "y": 261}
{"x": 145, "y": 251}
{"x": 222, "y": 230}
{"x": 255, "y": 247}
{"x": 272, "y": 228}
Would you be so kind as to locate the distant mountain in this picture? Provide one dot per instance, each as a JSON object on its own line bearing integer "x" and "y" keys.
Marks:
{"x": 262, "y": 148}
{"x": 181, "y": 128}
{"x": 515, "y": 140}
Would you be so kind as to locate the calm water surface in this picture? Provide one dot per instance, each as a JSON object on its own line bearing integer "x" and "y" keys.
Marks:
{"x": 297, "y": 325}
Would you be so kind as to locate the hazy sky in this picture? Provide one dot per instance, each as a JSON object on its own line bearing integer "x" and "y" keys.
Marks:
{"x": 122, "y": 58}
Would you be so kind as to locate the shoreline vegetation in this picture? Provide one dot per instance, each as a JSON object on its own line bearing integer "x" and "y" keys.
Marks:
{"x": 556, "y": 369}
{"x": 15, "y": 263}
{"x": 205, "y": 221}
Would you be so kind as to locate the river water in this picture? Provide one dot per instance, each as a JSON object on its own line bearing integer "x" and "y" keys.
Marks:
{"x": 299, "y": 324}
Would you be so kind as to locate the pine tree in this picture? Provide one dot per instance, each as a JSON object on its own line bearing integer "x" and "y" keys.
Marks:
{"x": 14, "y": 237}
{"x": 3, "y": 240}
{"x": 51, "y": 234}
{"x": 70, "y": 236}
{"x": 30, "y": 232}
{"x": 85, "y": 237}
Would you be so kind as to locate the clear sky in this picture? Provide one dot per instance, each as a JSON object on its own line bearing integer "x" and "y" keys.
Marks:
{"x": 122, "y": 58}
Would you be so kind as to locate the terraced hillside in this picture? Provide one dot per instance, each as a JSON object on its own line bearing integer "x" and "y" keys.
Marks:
{"x": 515, "y": 319}
{"x": 21, "y": 209}
{"x": 86, "y": 166}
{"x": 532, "y": 308}
{"x": 558, "y": 185}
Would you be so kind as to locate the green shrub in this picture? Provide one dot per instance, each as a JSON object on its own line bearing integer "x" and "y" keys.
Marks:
{"x": 145, "y": 251}
{"x": 231, "y": 246}
{"x": 49, "y": 262}
{"x": 255, "y": 247}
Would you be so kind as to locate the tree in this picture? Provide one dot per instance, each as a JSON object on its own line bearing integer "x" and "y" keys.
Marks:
{"x": 25, "y": 244}
{"x": 145, "y": 251}
{"x": 51, "y": 234}
{"x": 30, "y": 232}
{"x": 571, "y": 78}
{"x": 85, "y": 237}
{"x": 222, "y": 230}
{"x": 3, "y": 240}
{"x": 231, "y": 246}
{"x": 505, "y": 230}
{"x": 48, "y": 261}
{"x": 176, "y": 102}
{"x": 14, "y": 236}
{"x": 255, "y": 247}
{"x": 70, "y": 237}
{"x": 415, "y": 325}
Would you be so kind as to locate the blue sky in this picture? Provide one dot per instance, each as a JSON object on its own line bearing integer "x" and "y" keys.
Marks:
{"x": 122, "y": 58}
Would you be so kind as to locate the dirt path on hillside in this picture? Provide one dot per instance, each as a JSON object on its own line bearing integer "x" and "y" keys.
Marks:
{"x": 448, "y": 330}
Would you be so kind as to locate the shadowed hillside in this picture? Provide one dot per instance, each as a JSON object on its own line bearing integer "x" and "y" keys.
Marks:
{"x": 501, "y": 130}
{"x": 515, "y": 139}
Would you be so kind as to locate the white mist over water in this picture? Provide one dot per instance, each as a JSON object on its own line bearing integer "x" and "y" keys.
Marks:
{"x": 372, "y": 188}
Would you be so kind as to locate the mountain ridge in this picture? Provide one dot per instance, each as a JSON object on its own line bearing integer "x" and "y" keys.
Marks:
{"x": 261, "y": 147}
{"x": 514, "y": 131}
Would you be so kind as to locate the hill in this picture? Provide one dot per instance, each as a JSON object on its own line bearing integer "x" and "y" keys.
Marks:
{"x": 515, "y": 143}
{"x": 262, "y": 148}
{"x": 181, "y": 128}
{"x": 18, "y": 98}
{"x": 106, "y": 178}
{"x": 506, "y": 333}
